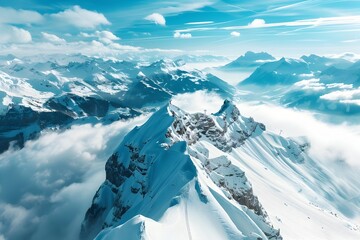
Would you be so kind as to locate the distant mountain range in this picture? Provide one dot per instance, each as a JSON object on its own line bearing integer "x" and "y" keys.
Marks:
{"x": 188, "y": 175}
{"x": 249, "y": 60}
{"x": 37, "y": 95}
{"x": 324, "y": 84}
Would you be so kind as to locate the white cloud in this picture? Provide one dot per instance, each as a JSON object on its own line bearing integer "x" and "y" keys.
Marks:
{"x": 199, "y": 23}
{"x": 93, "y": 48}
{"x": 256, "y": 23}
{"x": 195, "y": 29}
{"x": 107, "y": 35}
{"x": 19, "y": 16}
{"x": 182, "y": 35}
{"x": 200, "y": 101}
{"x": 329, "y": 142}
{"x": 339, "y": 85}
{"x": 352, "y": 57}
{"x": 235, "y": 34}
{"x": 81, "y": 18}
{"x": 103, "y": 36}
{"x": 346, "y": 96}
{"x": 313, "y": 83}
{"x": 10, "y": 34}
{"x": 52, "y": 38}
{"x": 157, "y": 18}
{"x": 50, "y": 173}
{"x": 260, "y": 23}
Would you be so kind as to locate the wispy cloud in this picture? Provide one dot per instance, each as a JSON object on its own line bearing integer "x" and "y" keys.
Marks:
{"x": 177, "y": 7}
{"x": 284, "y": 9}
{"x": 347, "y": 20}
{"x": 261, "y": 23}
{"x": 199, "y": 23}
{"x": 351, "y": 40}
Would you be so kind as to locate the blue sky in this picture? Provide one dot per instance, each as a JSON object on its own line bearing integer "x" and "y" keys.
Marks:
{"x": 281, "y": 27}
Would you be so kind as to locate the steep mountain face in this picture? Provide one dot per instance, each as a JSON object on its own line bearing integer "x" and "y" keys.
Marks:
{"x": 90, "y": 90}
{"x": 249, "y": 59}
{"x": 165, "y": 171}
{"x": 197, "y": 176}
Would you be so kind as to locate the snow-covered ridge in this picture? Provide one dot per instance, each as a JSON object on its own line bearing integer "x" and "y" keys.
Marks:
{"x": 197, "y": 176}
{"x": 172, "y": 161}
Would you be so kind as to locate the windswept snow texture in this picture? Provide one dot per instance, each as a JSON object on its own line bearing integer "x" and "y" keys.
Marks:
{"x": 35, "y": 95}
{"x": 219, "y": 176}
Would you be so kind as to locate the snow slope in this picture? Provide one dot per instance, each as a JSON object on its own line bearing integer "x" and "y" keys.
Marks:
{"x": 220, "y": 176}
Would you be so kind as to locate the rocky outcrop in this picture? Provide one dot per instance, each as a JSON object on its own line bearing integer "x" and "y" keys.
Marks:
{"x": 226, "y": 129}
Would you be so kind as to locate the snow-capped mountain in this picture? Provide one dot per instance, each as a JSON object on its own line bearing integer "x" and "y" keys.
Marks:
{"x": 323, "y": 84}
{"x": 287, "y": 71}
{"x": 320, "y": 63}
{"x": 219, "y": 176}
{"x": 249, "y": 60}
{"x": 283, "y": 71}
{"x": 90, "y": 89}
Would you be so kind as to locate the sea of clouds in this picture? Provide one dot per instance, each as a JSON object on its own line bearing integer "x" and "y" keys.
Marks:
{"x": 46, "y": 187}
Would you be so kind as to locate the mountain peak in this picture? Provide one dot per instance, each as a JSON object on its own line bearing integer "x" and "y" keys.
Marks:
{"x": 165, "y": 166}
{"x": 250, "y": 59}
{"x": 258, "y": 55}
{"x": 228, "y": 110}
